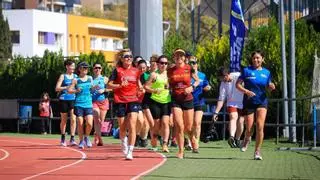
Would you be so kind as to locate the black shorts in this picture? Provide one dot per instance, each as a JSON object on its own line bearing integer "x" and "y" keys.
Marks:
{"x": 122, "y": 109}
{"x": 158, "y": 110}
{"x": 66, "y": 105}
{"x": 186, "y": 105}
{"x": 251, "y": 108}
{"x": 146, "y": 102}
{"x": 200, "y": 108}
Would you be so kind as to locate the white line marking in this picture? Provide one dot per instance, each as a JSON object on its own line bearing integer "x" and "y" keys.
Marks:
{"x": 6, "y": 154}
{"x": 152, "y": 169}
{"x": 84, "y": 156}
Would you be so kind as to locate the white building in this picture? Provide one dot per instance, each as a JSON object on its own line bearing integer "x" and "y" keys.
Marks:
{"x": 34, "y": 31}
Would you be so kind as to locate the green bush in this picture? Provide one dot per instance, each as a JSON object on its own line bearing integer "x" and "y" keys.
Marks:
{"x": 29, "y": 77}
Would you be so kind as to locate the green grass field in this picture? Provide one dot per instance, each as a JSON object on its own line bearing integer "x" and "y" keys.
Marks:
{"x": 217, "y": 161}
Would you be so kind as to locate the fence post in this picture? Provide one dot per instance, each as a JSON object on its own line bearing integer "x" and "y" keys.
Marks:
{"x": 224, "y": 123}
{"x": 278, "y": 112}
{"x": 314, "y": 126}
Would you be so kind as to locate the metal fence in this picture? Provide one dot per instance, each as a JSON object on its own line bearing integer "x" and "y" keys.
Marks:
{"x": 307, "y": 125}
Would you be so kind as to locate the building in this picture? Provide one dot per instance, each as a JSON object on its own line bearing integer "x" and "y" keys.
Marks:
{"x": 86, "y": 35}
{"x": 6, "y": 4}
{"x": 34, "y": 31}
{"x": 62, "y": 6}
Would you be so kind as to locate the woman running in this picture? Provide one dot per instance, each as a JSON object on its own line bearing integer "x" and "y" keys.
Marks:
{"x": 158, "y": 85}
{"x": 253, "y": 82}
{"x": 182, "y": 100}
{"x": 82, "y": 87}
{"x": 99, "y": 101}
{"x": 127, "y": 87}
{"x": 198, "y": 101}
{"x": 66, "y": 102}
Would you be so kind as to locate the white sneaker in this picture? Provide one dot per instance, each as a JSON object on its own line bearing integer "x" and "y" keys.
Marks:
{"x": 124, "y": 145}
{"x": 129, "y": 156}
{"x": 245, "y": 145}
{"x": 257, "y": 155}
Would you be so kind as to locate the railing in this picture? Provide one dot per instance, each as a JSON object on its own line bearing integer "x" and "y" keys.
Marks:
{"x": 307, "y": 119}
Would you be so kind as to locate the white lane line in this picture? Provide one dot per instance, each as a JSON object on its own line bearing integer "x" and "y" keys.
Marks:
{"x": 151, "y": 169}
{"x": 84, "y": 156}
{"x": 6, "y": 154}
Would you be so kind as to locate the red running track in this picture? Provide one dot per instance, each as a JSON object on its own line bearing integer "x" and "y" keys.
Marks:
{"x": 35, "y": 158}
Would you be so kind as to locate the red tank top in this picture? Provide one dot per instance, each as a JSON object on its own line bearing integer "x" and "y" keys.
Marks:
{"x": 127, "y": 93}
{"x": 180, "y": 79}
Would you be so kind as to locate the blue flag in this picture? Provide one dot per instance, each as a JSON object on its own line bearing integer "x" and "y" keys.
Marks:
{"x": 237, "y": 34}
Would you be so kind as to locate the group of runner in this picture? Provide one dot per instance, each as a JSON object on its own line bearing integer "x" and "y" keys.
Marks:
{"x": 159, "y": 97}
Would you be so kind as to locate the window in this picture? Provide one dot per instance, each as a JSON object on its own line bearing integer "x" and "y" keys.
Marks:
{"x": 41, "y": 36}
{"x": 58, "y": 38}
{"x": 93, "y": 43}
{"x": 117, "y": 44}
{"x": 49, "y": 38}
{"x": 104, "y": 44}
{"x": 15, "y": 37}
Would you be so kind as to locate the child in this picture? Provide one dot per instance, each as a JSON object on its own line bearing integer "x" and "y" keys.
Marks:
{"x": 45, "y": 112}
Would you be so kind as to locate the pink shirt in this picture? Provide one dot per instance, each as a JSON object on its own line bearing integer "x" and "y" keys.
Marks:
{"x": 44, "y": 108}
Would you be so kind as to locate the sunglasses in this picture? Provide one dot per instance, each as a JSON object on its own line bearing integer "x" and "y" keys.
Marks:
{"x": 192, "y": 62}
{"x": 97, "y": 68}
{"x": 163, "y": 63}
{"x": 127, "y": 56}
{"x": 84, "y": 68}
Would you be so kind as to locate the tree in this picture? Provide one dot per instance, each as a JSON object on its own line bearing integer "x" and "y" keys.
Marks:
{"x": 5, "y": 38}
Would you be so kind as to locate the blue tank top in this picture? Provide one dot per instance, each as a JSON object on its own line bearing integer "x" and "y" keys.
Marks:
{"x": 84, "y": 97}
{"x": 198, "y": 96}
{"x": 64, "y": 93}
{"x": 96, "y": 96}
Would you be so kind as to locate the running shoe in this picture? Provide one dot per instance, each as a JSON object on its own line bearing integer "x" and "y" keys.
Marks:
{"x": 72, "y": 142}
{"x": 144, "y": 142}
{"x": 173, "y": 143}
{"x": 257, "y": 155}
{"x": 154, "y": 142}
{"x": 96, "y": 139}
{"x": 195, "y": 151}
{"x": 165, "y": 148}
{"x": 129, "y": 156}
{"x": 87, "y": 142}
{"x": 245, "y": 145}
{"x": 81, "y": 144}
{"x": 232, "y": 142}
{"x": 238, "y": 143}
{"x": 124, "y": 145}
{"x": 63, "y": 143}
{"x": 100, "y": 142}
{"x": 187, "y": 145}
{"x": 180, "y": 155}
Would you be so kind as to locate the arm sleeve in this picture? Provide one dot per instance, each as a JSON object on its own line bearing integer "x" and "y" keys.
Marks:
{"x": 113, "y": 75}
{"x": 222, "y": 92}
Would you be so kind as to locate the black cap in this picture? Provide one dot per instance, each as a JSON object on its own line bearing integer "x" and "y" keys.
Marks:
{"x": 188, "y": 54}
{"x": 82, "y": 64}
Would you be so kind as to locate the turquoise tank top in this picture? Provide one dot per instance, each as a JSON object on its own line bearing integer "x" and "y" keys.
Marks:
{"x": 84, "y": 97}
{"x": 64, "y": 93}
{"x": 96, "y": 96}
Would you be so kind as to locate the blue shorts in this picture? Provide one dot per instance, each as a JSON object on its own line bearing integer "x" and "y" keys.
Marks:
{"x": 82, "y": 112}
{"x": 122, "y": 109}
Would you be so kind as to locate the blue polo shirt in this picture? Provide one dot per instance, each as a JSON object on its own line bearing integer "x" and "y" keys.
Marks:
{"x": 256, "y": 81}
